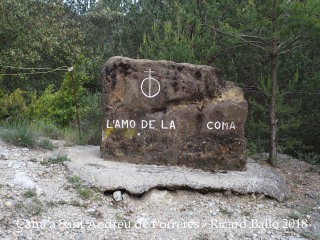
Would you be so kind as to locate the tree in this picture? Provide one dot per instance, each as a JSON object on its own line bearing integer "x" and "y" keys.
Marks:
{"x": 274, "y": 28}
{"x": 40, "y": 36}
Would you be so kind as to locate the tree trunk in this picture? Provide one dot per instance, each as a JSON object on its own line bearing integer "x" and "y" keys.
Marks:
{"x": 273, "y": 119}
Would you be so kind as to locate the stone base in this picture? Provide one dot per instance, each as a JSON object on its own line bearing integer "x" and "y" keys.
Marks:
{"x": 140, "y": 178}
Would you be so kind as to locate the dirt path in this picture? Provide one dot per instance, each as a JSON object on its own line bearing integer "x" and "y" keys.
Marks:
{"x": 40, "y": 199}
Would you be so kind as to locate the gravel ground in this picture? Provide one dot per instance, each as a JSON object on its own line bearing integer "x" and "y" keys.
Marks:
{"x": 40, "y": 199}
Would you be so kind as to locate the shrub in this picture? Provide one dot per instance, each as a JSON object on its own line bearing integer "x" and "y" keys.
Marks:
{"x": 13, "y": 104}
{"x": 18, "y": 132}
{"x": 90, "y": 115}
{"x": 55, "y": 160}
{"x": 49, "y": 130}
{"x": 312, "y": 158}
{"x": 58, "y": 107}
{"x": 85, "y": 193}
{"x": 75, "y": 180}
{"x": 45, "y": 144}
{"x": 52, "y": 106}
{"x": 30, "y": 194}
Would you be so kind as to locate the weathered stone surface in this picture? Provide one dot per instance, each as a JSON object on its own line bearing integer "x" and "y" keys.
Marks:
{"x": 140, "y": 178}
{"x": 177, "y": 114}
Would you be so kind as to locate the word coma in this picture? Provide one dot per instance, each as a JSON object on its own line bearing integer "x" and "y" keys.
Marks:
{"x": 143, "y": 124}
{"x": 219, "y": 125}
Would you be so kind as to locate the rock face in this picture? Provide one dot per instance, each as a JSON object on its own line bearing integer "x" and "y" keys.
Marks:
{"x": 166, "y": 113}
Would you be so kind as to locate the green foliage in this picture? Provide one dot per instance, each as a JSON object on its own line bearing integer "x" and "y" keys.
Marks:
{"x": 257, "y": 128}
{"x": 13, "y": 104}
{"x": 75, "y": 180}
{"x": 58, "y": 107}
{"x": 45, "y": 144}
{"x": 168, "y": 44}
{"x": 36, "y": 34}
{"x": 31, "y": 206}
{"x": 90, "y": 115}
{"x": 181, "y": 38}
{"x": 18, "y": 132}
{"x": 53, "y": 106}
{"x": 294, "y": 215}
{"x": 311, "y": 157}
{"x": 55, "y": 160}
{"x": 85, "y": 193}
{"x": 47, "y": 129}
{"x": 30, "y": 194}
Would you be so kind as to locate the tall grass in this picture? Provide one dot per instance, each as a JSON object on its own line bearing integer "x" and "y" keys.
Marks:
{"x": 37, "y": 133}
{"x": 18, "y": 132}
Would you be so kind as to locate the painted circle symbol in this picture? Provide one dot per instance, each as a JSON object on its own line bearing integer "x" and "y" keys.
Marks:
{"x": 152, "y": 86}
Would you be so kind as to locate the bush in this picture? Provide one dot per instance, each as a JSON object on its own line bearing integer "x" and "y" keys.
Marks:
{"x": 46, "y": 144}
{"x": 58, "y": 107}
{"x": 312, "y": 158}
{"x": 90, "y": 116}
{"x": 90, "y": 113}
{"x": 55, "y": 160}
{"x": 13, "y": 104}
{"x": 47, "y": 129}
{"x": 18, "y": 132}
{"x": 52, "y": 106}
{"x": 85, "y": 193}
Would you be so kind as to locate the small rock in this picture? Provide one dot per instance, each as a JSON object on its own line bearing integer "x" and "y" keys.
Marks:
{"x": 10, "y": 204}
{"x": 39, "y": 191}
{"x": 227, "y": 193}
{"x": 117, "y": 196}
{"x": 90, "y": 210}
{"x": 213, "y": 213}
{"x": 262, "y": 231}
{"x": 22, "y": 179}
{"x": 212, "y": 204}
{"x": 126, "y": 197}
{"x": 17, "y": 165}
{"x": 253, "y": 196}
{"x": 218, "y": 194}
{"x": 260, "y": 196}
{"x": 156, "y": 196}
{"x": 4, "y": 155}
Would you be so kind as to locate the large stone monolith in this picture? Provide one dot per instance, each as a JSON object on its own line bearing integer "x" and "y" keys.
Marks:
{"x": 166, "y": 113}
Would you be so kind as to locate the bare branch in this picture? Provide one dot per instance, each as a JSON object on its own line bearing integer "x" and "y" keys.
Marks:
{"x": 290, "y": 43}
{"x": 252, "y": 43}
{"x": 289, "y": 50}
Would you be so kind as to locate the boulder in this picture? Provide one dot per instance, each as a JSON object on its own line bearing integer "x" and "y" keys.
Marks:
{"x": 166, "y": 113}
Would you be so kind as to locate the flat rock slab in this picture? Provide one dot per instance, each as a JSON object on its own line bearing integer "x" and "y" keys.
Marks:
{"x": 139, "y": 178}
